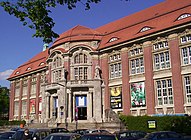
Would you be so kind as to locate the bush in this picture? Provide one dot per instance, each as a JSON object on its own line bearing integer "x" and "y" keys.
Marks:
{"x": 15, "y": 122}
{"x": 180, "y": 124}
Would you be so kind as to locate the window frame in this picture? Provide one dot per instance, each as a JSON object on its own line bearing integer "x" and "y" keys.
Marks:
{"x": 115, "y": 65}
{"x": 161, "y": 55}
{"x": 164, "y": 92}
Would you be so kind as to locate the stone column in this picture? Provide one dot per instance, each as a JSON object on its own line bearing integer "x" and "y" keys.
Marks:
{"x": 60, "y": 109}
{"x": 176, "y": 73}
{"x": 69, "y": 105}
{"x": 105, "y": 76}
{"x": 46, "y": 106}
{"x": 51, "y": 107}
{"x": 89, "y": 106}
{"x": 97, "y": 105}
{"x": 74, "y": 105}
{"x": 149, "y": 82}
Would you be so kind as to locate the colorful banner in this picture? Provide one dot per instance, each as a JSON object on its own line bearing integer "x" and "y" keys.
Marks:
{"x": 138, "y": 94}
{"x": 32, "y": 106}
{"x": 116, "y": 97}
{"x": 81, "y": 101}
{"x": 40, "y": 105}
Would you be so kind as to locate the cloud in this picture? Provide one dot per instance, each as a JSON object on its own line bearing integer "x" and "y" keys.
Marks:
{"x": 5, "y": 74}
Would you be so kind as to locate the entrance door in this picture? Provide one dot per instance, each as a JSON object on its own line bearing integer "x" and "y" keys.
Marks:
{"x": 81, "y": 105}
{"x": 82, "y": 113}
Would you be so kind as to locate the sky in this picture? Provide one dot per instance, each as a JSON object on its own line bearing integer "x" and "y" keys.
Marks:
{"x": 17, "y": 45}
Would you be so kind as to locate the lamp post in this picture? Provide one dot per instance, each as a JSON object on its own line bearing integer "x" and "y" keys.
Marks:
{"x": 76, "y": 117}
{"x": 61, "y": 113}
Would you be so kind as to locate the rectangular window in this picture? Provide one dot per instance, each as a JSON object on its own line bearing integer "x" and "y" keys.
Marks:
{"x": 111, "y": 71}
{"x": 85, "y": 73}
{"x": 160, "y": 45}
{"x": 115, "y": 70}
{"x": 24, "y": 107}
{"x": 76, "y": 73}
{"x": 81, "y": 73}
{"x": 161, "y": 60}
{"x": 186, "y": 55}
{"x": 183, "y": 39}
{"x": 33, "y": 89}
{"x": 167, "y": 59}
{"x": 187, "y": 83}
{"x": 164, "y": 92}
{"x": 120, "y": 70}
{"x": 115, "y": 66}
{"x": 132, "y": 65}
{"x": 137, "y": 66}
{"x": 16, "y": 108}
{"x": 17, "y": 92}
{"x": 25, "y": 90}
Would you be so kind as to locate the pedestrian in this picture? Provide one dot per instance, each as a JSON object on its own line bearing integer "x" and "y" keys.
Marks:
{"x": 26, "y": 135}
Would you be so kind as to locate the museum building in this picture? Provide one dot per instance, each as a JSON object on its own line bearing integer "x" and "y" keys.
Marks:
{"x": 137, "y": 65}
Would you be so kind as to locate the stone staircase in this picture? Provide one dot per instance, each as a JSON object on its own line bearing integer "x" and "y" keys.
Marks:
{"x": 112, "y": 124}
{"x": 109, "y": 126}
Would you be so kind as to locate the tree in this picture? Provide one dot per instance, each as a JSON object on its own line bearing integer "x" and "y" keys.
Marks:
{"x": 4, "y": 102}
{"x": 35, "y": 14}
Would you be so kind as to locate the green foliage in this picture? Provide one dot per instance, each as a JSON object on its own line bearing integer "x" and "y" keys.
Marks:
{"x": 6, "y": 122}
{"x": 180, "y": 124}
{"x": 35, "y": 14}
{"x": 4, "y": 102}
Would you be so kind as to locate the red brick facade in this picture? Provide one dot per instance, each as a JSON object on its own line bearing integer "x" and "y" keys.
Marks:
{"x": 137, "y": 65}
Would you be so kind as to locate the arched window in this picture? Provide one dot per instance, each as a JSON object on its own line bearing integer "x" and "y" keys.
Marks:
{"x": 80, "y": 66}
{"x": 80, "y": 58}
{"x": 57, "y": 69}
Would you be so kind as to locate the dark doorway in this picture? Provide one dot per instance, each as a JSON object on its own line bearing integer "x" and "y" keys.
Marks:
{"x": 82, "y": 113}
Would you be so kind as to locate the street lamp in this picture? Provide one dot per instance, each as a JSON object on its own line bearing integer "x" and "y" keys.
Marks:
{"x": 61, "y": 113}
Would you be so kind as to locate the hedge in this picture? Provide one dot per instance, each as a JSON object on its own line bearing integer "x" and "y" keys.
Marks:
{"x": 179, "y": 124}
{"x": 7, "y": 122}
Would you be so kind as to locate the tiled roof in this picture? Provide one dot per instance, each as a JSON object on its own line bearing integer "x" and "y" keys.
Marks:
{"x": 78, "y": 33}
{"x": 37, "y": 62}
{"x": 151, "y": 20}
{"x": 157, "y": 18}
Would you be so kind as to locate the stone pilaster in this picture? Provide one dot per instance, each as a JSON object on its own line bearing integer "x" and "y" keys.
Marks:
{"x": 11, "y": 105}
{"x": 20, "y": 98}
{"x": 105, "y": 76}
{"x": 178, "y": 96}
{"x": 149, "y": 82}
{"x": 126, "y": 98}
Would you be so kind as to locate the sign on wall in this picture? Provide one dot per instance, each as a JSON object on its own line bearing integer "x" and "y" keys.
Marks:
{"x": 116, "y": 97}
{"x": 81, "y": 101}
{"x": 152, "y": 124}
{"x": 32, "y": 106}
{"x": 138, "y": 94}
{"x": 40, "y": 105}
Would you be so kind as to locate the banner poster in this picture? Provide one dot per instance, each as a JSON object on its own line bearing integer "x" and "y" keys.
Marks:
{"x": 81, "y": 101}
{"x": 40, "y": 105}
{"x": 32, "y": 106}
{"x": 116, "y": 97}
{"x": 138, "y": 94}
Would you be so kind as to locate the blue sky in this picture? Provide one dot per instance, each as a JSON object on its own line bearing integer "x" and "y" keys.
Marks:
{"x": 17, "y": 45}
